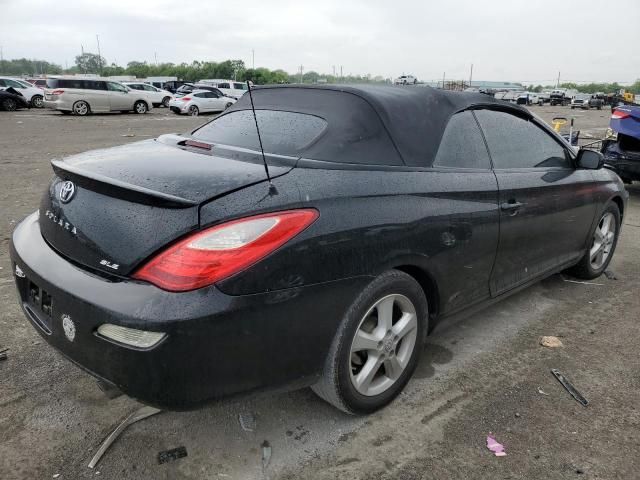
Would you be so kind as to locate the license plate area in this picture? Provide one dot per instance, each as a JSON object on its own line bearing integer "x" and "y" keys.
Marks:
{"x": 38, "y": 304}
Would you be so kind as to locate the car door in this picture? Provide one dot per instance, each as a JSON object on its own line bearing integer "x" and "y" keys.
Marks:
{"x": 546, "y": 204}
{"x": 119, "y": 97}
{"x": 152, "y": 93}
{"x": 463, "y": 226}
{"x": 95, "y": 92}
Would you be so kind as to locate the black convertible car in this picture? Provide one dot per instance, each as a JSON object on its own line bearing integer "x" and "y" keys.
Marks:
{"x": 175, "y": 270}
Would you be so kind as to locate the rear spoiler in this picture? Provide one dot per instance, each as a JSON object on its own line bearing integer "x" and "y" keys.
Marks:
{"x": 115, "y": 188}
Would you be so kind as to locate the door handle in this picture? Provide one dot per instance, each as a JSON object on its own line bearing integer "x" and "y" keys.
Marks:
{"x": 511, "y": 206}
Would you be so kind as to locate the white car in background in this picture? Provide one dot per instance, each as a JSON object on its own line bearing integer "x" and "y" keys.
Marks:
{"x": 406, "y": 80}
{"x": 33, "y": 94}
{"x": 154, "y": 95}
{"x": 201, "y": 101}
{"x": 228, "y": 87}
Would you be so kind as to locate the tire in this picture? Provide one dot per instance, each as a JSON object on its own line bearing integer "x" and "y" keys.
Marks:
{"x": 165, "y": 102}
{"x": 9, "y": 104}
{"x": 588, "y": 268}
{"x": 140, "y": 107}
{"x": 599, "y": 107}
{"x": 65, "y": 112}
{"x": 37, "y": 101}
{"x": 573, "y": 108}
{"x": 344, "y": 383}
{"x": 81, "y": 108}
{"x": 228, "y": 105}
{"x": 194, "y": 111}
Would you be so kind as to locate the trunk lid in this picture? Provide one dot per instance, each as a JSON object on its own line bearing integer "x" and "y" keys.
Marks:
{"x": 110, "y": 209}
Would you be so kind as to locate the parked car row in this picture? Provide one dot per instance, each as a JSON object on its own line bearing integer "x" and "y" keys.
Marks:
{"x": 201, "y": 100}
{"x": 586, "y": 101}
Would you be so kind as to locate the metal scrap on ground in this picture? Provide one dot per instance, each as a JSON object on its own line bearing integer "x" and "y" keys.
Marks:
{"x": 3, "y": 353}
{"x": 570, "y": 388}
{"x": 171, "y": 455}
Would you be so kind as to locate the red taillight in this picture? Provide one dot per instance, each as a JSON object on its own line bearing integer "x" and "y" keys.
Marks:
{"x": 620, "y": 114}
{"x": 57, "y": 92}
{"x": 216, "y": 253}
{"x": 186, "y": 99}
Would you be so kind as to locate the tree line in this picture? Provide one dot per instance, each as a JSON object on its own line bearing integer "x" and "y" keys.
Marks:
{"x": 189, "y": 72}
{"x": 230, "y": 69}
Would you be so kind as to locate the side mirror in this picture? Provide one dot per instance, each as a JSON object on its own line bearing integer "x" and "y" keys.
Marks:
{"x": 590, "y": 159}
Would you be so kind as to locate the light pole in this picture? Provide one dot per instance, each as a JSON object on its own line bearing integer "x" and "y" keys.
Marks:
{"x": 253, "y": 59}
{"x": 99, "y": 55}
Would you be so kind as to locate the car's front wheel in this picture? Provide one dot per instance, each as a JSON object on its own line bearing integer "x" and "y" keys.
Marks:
{"x": 9, "y": 104}
{"x": 377, "y": 345}
{"x": 165, "y": 102}
{"x": 602, "y": 245}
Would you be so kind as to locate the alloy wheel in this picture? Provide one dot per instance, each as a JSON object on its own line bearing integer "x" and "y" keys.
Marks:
{"x": 603, "y": 239}
{"x": 9, "y": 105}
{"x": 141, "y": 107}
{"x": 383, "y": 344}
{"x": 81, "y": 108}
{"x": 37, "y": 101}
{"x": 193, "y": 111}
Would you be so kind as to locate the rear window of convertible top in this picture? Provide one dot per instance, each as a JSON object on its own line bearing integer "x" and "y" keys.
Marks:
{"x": 283, "y": 133}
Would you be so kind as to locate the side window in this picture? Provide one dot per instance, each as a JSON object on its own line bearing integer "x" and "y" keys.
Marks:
{"x": 462, "y": 145}
{"x": 115, "y": 87}
{"x": 224, "y": 85}
{"x": 201, "y": 94}
{"x": 148, "y": 88}
{"x": 2, "y": 83}
{"x": 240, "y": 86}
{"x": 12, "y": 83}
{"x": 518, "y": 143}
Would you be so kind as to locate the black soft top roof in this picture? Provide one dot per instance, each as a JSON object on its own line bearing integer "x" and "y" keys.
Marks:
{"x": 373, "y": 123}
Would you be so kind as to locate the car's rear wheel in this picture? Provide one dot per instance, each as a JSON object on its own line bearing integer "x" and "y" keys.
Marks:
{"x": 9, "y": 104}
{"x": 37, "y": 101}
{"x": 165, "y": 101}
{"x": 194, "y": 111}
{"x": 140, "y": 107}
{"x": 377, "y": 345}
{"x": 81, "y": 108}
{"x": 602, "y": 245}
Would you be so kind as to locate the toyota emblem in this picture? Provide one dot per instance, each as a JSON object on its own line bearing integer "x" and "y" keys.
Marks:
{"x": 67, "y": 191}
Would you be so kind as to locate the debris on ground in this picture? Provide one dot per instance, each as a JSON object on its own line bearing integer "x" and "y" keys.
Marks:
{"x": 610, "y": 275}
{"x": 171, "y": 455}
{"x": 542, "y": 392}
{"x": 247, "y": 421}
{"x": 564, "y": 279}
{"x": 128, "y": 135}
{"x": 550, "y": 342}
{"x": 133, "y": 417}
{"x": 3, "y": 354}
{"x": 55, "y": 475}
{"x": 570, "y": 388}
{"x": 266, "y": 454}
{"x": 495, "y": 447}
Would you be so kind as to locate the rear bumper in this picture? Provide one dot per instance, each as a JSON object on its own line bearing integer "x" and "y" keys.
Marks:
{"x": 217, "y": 345}
{"x": 58, "y": 104}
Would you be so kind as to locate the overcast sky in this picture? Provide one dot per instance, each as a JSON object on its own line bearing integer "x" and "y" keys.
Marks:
{"x": 510, "y": 40}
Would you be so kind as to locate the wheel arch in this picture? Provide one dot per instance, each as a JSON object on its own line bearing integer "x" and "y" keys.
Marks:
{"x": 620, "y": 203}
{"x": 428, "y": 285}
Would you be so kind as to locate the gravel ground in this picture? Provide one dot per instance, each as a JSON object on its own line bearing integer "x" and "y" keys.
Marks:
{"x": 479, "y": 374}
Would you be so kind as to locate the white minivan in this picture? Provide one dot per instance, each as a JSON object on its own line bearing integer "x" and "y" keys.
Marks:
{"x": 82, "y": 96}
{"x": 228, "y": 87}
